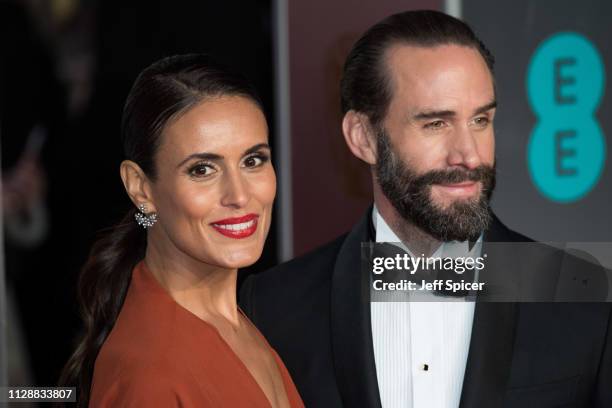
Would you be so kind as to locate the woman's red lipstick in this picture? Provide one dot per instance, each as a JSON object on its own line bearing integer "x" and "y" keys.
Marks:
{"x": 237, "y": 227}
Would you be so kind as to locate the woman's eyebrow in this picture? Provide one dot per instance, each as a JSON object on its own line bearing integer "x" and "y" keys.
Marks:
{"x": 201, "y": 156}
{"x": 256, "y": 148}
{"x": 218, "y": 157}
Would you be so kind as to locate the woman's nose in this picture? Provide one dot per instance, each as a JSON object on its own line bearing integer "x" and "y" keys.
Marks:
{"x": 235, "y": 190}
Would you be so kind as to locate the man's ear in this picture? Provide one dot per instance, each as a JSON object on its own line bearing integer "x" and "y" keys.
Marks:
{"x": 359, "y": 136}
{"x": 137, "y": 185}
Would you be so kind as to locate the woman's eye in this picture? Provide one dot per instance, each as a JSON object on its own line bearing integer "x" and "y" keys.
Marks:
{"x": 255, "y": 161}
{"x": 201, "y": 170}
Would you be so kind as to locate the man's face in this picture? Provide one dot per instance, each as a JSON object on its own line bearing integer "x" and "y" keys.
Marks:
{"x": 435, "y": 147}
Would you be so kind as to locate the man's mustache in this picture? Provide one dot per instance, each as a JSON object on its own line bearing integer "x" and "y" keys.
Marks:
{"x": 482, "y": 173}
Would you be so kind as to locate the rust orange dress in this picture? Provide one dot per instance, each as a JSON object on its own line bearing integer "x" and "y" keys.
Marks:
{"x": 159, "y": 354}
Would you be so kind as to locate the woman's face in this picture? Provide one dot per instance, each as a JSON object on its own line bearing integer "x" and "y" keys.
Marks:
{"x": 215, "y": 184}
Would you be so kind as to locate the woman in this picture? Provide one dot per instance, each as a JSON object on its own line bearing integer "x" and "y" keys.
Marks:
{"x": 159, "y": 292}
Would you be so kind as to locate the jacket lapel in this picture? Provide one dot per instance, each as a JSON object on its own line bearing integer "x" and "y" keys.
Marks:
{"x": 351, "y": 325}
{"x": 490, "y": 355}
{"x": 492, "y": 342}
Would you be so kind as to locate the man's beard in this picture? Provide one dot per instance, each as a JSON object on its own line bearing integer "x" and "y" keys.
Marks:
{"x": 411, "y": 195}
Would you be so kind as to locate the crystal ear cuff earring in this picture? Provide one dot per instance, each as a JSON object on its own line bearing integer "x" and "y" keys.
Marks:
{"x": 143, "y": 219}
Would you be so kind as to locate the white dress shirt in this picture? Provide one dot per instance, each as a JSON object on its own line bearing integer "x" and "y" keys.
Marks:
{"x": 409, "y": 335}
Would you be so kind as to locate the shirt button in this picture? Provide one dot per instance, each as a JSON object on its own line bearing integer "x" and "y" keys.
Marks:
{"x": 424, "y": 367}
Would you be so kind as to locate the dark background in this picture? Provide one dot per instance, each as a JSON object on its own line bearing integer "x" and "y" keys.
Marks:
{"x": 67, "y": 66}
{"x": 513, "y": 30}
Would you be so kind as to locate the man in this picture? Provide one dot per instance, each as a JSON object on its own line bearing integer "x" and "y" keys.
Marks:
{"x": 418, "y": 97}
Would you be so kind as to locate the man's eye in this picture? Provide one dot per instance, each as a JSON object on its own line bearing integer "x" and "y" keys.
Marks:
{"x": 482, "y": 121}
{"x": 438, "y": 124}
{"x": 201, "y": 170}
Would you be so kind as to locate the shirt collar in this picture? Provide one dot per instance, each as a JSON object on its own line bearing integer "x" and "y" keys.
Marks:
{"x": 451, "y": 249}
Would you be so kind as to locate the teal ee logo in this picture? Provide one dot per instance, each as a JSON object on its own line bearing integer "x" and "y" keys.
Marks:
{"x": 566, "y": 152}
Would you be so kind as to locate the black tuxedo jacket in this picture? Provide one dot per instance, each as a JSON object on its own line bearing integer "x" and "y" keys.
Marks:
{"x": 312, "y": 311}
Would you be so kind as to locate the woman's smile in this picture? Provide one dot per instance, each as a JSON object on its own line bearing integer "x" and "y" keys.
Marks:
{"x": 237, "y": 227}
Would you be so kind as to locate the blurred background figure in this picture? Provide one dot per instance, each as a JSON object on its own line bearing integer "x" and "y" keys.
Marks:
{"x": 31, "y": 118}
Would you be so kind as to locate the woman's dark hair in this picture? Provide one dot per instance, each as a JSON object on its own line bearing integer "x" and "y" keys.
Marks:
{"x": 365, "y": 85}
{"x": 161, "y": 93}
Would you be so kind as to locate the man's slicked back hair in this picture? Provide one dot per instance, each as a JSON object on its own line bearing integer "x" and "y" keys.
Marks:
{"x": 365, "y": 85}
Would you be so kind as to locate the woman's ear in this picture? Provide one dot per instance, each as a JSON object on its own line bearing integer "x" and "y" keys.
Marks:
{"x": 137, "y": 185}
{"x": 359, "y": 136}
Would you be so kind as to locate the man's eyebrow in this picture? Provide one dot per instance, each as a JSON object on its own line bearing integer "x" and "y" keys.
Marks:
{"x": 486, "y": 107}
{"x": 432, "y": 114}
{"x": 217, "y": 157}
{"x": 445, "y": 114}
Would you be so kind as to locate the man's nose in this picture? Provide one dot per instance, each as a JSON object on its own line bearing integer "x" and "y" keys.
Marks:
{"x": 463, "y": 149}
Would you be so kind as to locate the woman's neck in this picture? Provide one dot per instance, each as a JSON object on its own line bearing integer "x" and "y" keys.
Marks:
{"x": 207, "y": 291}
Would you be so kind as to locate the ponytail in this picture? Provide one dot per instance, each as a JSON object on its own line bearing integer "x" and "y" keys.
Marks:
{"x": 102, "y": 287}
